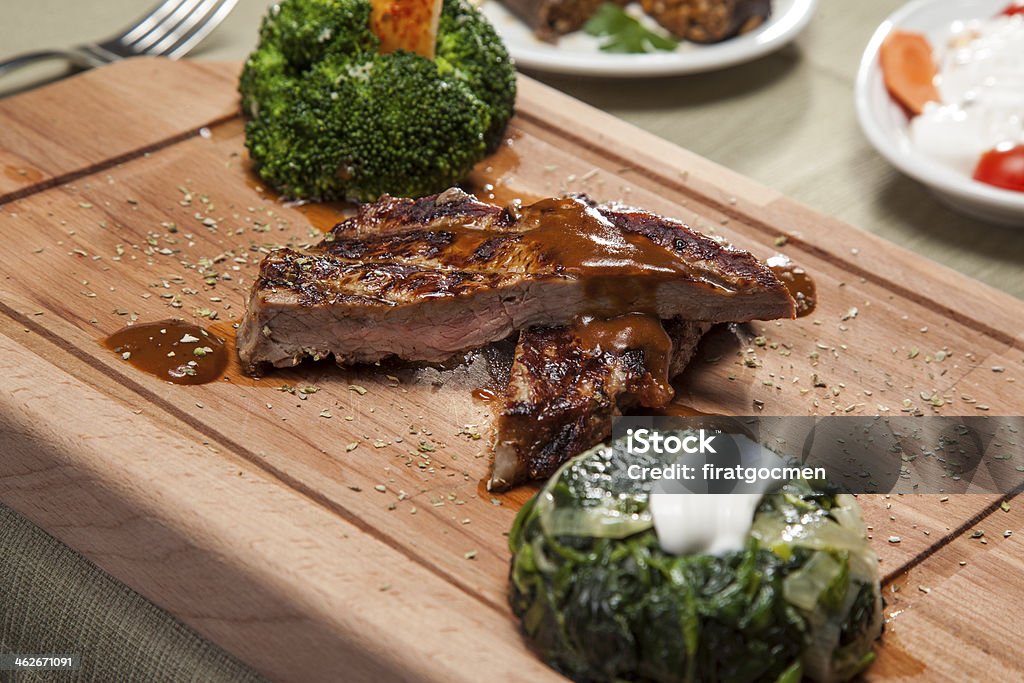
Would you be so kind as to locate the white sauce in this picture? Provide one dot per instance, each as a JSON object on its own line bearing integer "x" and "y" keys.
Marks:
{"x": 712, "y": 523}
{"x": 981, "y": 82}
{"x": 703, "y": 522}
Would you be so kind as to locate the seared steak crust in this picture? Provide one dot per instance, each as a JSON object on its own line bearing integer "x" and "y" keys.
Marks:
{"x": 453, "y": 207}
{"x": 563, "y": 393}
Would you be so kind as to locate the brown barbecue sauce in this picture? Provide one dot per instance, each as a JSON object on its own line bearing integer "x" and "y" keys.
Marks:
{"x": 172, "y": 350}
{"x": 484, "y": 394}
{"x": 633, "y": 331}
{"x": 800, "y": 285}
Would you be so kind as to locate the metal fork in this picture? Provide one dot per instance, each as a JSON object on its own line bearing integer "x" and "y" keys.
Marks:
{"x": 171, "y": 29}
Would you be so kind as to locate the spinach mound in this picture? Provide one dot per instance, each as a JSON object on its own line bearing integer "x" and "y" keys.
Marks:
{"x": 601, "y": 601}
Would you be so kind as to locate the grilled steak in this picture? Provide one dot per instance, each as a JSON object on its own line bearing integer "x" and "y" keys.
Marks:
{"x": 567, "y": 383}
{"x": 425, "y": 279}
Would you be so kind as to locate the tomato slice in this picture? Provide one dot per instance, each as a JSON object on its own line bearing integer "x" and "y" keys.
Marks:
{"x": 1002, "y": 168}
{"x": 1015, "y": 8}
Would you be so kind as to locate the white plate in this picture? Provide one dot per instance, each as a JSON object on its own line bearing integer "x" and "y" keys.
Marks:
{"x": 578, "y": 53}
{"x": 886, "y": 125}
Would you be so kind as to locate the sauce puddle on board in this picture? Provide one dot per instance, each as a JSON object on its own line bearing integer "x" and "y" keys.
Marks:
{"x": 493, "y": 179}
{"x": 895, "y": 659}
{"x": 324, "y": 215}
{"x": 23, "y": 174}
{"x": 484, "y": 394}
{"x": 172, "y": 350}
{"x": 321, "y": 215}
{"x": 800, "y": 285}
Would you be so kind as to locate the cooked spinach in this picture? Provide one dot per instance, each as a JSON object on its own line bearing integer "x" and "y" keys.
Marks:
{"x": 601, "y": 601}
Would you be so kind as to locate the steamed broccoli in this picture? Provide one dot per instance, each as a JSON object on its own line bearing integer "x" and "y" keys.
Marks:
{"x": 330, "y": 117}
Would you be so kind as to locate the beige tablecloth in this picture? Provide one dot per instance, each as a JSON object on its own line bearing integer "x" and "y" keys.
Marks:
{"x": 787, "y": 120}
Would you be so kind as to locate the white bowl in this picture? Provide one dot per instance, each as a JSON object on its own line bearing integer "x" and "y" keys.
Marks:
{"x": 580, "y": 54}
{"x": 886, "y": 125}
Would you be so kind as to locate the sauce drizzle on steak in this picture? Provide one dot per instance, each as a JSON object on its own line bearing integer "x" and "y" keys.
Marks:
{"x": 568, "y": 383}
{"x": 428, "y": 278}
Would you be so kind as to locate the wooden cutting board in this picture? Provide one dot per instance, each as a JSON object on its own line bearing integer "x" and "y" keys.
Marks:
{"x": 344, "y": 532}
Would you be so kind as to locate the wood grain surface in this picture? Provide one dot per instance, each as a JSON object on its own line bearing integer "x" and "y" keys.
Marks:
{"x": 346, "y": 527}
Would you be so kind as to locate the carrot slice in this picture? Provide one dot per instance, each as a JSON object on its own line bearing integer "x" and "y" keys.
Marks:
{"x": 909, "y": 70}
{"x": 409, "y": 25}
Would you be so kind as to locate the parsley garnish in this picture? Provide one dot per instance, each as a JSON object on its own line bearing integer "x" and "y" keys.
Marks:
{"x": 624, "y": 33}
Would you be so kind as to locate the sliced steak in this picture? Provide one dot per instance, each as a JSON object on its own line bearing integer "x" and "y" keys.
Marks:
{"x": 425, "y": 279}
{"x": 567, "y": 383}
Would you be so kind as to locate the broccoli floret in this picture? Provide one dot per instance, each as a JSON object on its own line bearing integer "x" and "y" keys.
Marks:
{"x": 329, "y": 117}
{"x": 471, "y": 49}
{"x": 307, "y": 30}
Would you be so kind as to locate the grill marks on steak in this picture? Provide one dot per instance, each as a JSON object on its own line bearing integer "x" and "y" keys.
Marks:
{"x": 567, "y": 383}
{"x": 567, "y": 237}
{"x": 425, "y": 279}
{"x": 314, "y": 280}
